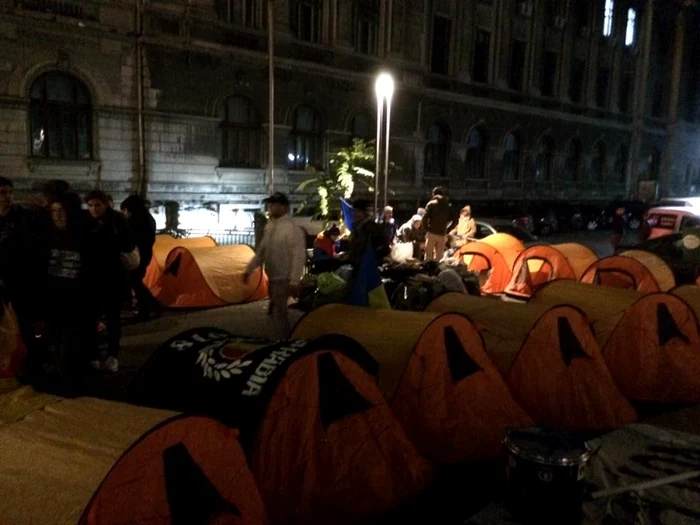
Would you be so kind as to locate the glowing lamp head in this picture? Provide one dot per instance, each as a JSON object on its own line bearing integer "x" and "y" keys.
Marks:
{"x": 384, "y": 87}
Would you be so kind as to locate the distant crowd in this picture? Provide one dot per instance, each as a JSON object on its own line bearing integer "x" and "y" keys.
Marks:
{"x": 430, "y": 233}
{"x": 68, "y": 272}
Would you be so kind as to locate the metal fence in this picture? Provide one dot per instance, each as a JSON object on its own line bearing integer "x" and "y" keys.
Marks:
{"x": 226, "y": 237}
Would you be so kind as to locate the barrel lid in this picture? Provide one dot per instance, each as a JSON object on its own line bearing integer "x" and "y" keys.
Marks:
{"x": 548, "y": 447}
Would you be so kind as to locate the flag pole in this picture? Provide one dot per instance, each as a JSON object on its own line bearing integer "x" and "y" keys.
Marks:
{"x": 271, "y": 65}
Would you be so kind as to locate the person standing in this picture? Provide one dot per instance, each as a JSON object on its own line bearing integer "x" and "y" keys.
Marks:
{"x": 389, "y": 225}
{"x": 283, "y": 252}
{"x": 108, "y": 238}
{"x": 69, "y": 327}
{"x": 618, "y": 229}
{"x": 22, "y": 263}
{"x": 644, "y": 228}
{"x": 143, "y": 228}
{"x": 366, "y": 230}
{"x": 438, "y": 217}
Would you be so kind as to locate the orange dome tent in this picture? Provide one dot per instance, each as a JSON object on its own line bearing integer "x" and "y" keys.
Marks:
{"x": 321, "y": 441}
{"x": 690, "y": 293}
{"x": 621, "y": 272}
{"x": 550, "y": 359}
{"x": 656, "y": 265}
{"x": 493, "y": 258}
{"x": 12, "y": 349}
{"x": 509, "y": 246}
{"x": 542, "y": 263}
{"x": 433, "y": 370}
{"x": 208, "y": 277}
{"x": 113, "y": 463}
{"x": 162, "y": 247}
{"x": 651, "y": 343}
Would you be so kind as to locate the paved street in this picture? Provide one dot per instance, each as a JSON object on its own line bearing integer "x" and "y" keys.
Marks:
{"x": 140, "y": 340}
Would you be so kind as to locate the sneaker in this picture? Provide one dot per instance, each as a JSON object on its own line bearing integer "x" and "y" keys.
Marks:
{"x": 95, "y": 365}
{"x": 112, "y": 364}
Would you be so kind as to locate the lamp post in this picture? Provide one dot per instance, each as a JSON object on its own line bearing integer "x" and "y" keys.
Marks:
{"x": 384, "y": 88}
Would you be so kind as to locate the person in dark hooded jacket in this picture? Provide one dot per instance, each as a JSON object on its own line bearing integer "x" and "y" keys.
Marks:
{"x": 69, "y": 325}
{"x": 438, "y": 218}
{"x": 143, "y": 229}
{"x": 109, "y": 240}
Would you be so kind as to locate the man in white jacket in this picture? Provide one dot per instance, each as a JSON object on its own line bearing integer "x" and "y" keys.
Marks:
{"x": 283, "y": 252}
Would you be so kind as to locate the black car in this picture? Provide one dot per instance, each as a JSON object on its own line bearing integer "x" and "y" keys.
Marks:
{"x": 487, "y": 227}
{"x": 681, "y": 251}
{"x": 512, "y": 213}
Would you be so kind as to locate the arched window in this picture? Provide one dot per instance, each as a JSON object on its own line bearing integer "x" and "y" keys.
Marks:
{"x": 477, "y": 152}
{"x": 621, "y": 164}
{"x": 573, "y": 160}
{"x": 60, "y": 117}
{"x": 437, "y": 151}
{"x": 598, "y": 163}
{"x": 511, "y": 158}
{"x": 543, "y": 161}
{"x": 306, "y": 148}
{"x": 363, "y": 126}
{"x": 305, "y": 19}
{"x": 240, "y": 132}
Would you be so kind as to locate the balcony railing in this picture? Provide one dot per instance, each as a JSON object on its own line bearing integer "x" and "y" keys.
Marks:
{"x": 226, "y": 237}
{"x": 66, "y": 8}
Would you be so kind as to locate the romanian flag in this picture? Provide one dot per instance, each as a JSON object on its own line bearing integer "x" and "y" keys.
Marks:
{"x": 366, "y": 288}
{"x": 347, "y": 214}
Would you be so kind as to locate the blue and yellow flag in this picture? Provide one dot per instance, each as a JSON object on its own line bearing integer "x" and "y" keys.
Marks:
{"x": 366, "y": 288}
{"x": 347, "y": 209}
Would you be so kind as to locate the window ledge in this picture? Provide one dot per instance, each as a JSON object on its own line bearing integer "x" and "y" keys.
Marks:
{"x": 43, "y": 161}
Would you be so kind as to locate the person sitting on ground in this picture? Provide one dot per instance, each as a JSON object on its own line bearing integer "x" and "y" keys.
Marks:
{"x": 413, "y": 232}
{"x": 325, "y": 259}
{"x": 389, "y": 224}
{"x": 465, "y": 230}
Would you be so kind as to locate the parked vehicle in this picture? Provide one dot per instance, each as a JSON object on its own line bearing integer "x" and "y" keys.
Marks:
{"x": 667, "y": 220}
{"x": 680, "y": 202}
{"x": 512, "y": 213}
{"x": 571, "y": 218}
{"x": 487, "y": 227}
{"x": 544, "y": 218}
{"x": 601, "y": 220}
{"x": 681, "y": 251}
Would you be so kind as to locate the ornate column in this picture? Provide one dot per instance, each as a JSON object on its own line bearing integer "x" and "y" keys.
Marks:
{"x": 672, "y": 123}
{"x": 640, "y": 99}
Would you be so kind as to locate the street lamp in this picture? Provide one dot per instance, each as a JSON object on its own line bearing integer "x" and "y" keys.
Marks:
{"x": 384, "y": 88}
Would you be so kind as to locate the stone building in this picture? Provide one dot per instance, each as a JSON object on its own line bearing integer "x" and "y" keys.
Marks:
{"x": 496, "y": 99}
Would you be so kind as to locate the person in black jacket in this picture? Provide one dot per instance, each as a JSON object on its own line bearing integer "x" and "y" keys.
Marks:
{"x": 618, "y": 229}
{"x": 438, "y": 218}
{"x": 143, "y": 229}
{"x": 366, "y": 230}
{"x": 69, "y": 327}
{"x": 108, "y": 238}
{"x": 22, "y": 263}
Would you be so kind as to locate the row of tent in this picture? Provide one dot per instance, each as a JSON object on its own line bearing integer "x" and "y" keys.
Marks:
{"x": 347, "y": 420}
{"x": 196, "y": 273}
{"x": 506, "y": 266}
